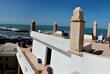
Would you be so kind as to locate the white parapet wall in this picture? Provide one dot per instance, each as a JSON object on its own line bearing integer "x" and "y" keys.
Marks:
{"x": 24, "y": 64}
{"x": 93, "y": 64}
{"x": 87, "y": 36}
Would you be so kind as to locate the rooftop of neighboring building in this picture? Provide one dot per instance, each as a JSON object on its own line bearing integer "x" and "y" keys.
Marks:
{"x": 8, "y": 49}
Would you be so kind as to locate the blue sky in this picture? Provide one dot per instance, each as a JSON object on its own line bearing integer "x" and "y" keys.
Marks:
{"x": 45, "y": 12}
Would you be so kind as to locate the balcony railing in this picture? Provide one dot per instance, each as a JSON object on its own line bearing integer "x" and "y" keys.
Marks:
{"x": 29, "y": 62}
{"x": 24, "y": 64}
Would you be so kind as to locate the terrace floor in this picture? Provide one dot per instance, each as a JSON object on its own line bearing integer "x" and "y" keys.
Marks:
{"x": 100, "y": 46}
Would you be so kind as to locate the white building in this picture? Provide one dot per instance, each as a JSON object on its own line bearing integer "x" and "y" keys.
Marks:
{"x": 63, "y": 55}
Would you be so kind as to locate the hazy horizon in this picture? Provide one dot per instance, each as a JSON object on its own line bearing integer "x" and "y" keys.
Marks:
{"x": 3, "y": 24}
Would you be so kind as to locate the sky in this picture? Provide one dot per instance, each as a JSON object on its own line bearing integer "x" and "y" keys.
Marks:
{"x": 46, "y": 12}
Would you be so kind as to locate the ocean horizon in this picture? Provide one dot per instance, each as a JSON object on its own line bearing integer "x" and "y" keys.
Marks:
{"x": 49, "y": 28}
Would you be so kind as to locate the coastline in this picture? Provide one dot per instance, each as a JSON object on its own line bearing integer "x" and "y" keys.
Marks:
{"x": 49, "y": 28}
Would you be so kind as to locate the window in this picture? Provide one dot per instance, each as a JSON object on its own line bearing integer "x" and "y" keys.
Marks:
{"x": 0, "y": 58}
{"x": 6, "y": 58}
{"x": 1, "y": 66}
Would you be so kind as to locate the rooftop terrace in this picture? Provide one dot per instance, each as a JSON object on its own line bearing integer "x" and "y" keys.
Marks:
{"x": 64, "y": 44}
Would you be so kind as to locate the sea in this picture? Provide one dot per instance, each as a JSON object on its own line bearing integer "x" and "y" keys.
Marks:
{"x": 49, "y": 28}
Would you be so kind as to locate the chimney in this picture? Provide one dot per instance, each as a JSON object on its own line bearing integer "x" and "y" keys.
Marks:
{"x": 108, "y": 31}
{"x": 33, "y": 25}
{"x": 55, "y": 27}
{"x": 95, "y": 28}
{"x": 77, "y": 30}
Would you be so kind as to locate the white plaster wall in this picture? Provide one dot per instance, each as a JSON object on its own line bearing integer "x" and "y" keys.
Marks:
{"x": 88, "y": 64}
{"x": 59, "y": 63}
{"x": 93, "y": 64}
{"x": 39, "y": 50}
{"x": 75, "y": 64}
{"x": 62, "y": 64}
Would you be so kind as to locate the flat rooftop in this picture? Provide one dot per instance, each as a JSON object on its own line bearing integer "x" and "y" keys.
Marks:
{"x": 8, "y": 49}
{"x": 64, "y": 44}
{"x": 54, "y": 41}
